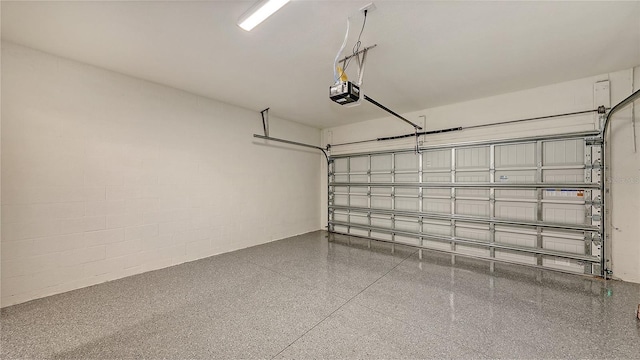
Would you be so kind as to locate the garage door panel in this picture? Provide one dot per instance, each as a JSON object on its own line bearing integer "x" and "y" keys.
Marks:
{"x": 435, "y": 229}
{"x": 358, "y": 178}
{"x": 563, "y": 176}
{"x": 381, "y": 235}
{"x": 515, "y": 155}
{"x": 473, "y": 177}
{"x": 516, "y": 210}
{"x": 358, "y": 201}
{"x": 341, "y": 189}
{"x": 516, "y": 194}
{"x": 359, "y": 190}
{"x": 563, "y": 264}
{"x": 564, "y": 213}
{"x": 530, "y": 221}
{"x": 516, "y": 256}
{"x": 342, "y": 200}
{"x": 381, "y": 191}
{"x": 359, "y": 218}
{"x": 564, "y": 245}
{"x": 341, "y": 165}
{"x": 359, "y": 164}
{"x": 410, "y": 204}
{"x": 439, "y": 177}
{"x": 359, "y": 232}
{"x": 436, "y": 160}
{"x": 381, "y": 163}
{"x": 515, "y": 176}
{"x": 341, "y": 216}
{"x": 407, "y": 240}
{"x": 563, "y": 152}
{"x": 407, "y": 225}
{"x": 341, "y": 229}
{"x": 407, "y": 162}
{"x": 439, "y": 245}
{"x": 472, "y": 207}
{"x": 408, "y": 192}
{"x": 413, "y": 178}
{"x": 378, "y": 202}
{"x": 474, "y": 157}
{"x": 442, "y": 206}
{"x": 381, "y": 178}
{"x": 472, "y": 250}
{"x": 516, "y": 239}
{"x": 381, "y": 222}
{"x": 473, "y": 234}
{"x": 437, "y": 192}
{"x": 341, "y": 178}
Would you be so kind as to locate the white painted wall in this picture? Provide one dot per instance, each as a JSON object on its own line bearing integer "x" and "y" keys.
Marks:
{"x": 105, "y": 176}
{"x": 565, "y": 97}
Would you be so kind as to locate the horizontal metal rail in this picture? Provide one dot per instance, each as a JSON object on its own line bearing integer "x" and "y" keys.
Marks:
{"x": 472, "y": 198}
{"x": 464, "y": 255}
{"x": 476, "y": 143}
{"x": 357, "y": 53}
{"x": 467, "y": 218}
{"x": 464, "y": 241}
{"x": 415, "y": 126}
{"x": 458, "y": 197}
{"x": 293, "y": 143}
{"x": 447, "y": 170}
{"x": 484, "y": 185}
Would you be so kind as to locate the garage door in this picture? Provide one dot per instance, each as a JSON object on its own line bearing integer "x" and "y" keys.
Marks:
{"x": 533, "y": 201}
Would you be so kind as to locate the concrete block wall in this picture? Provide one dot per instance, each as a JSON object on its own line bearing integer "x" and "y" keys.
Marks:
{"x": 105, "y": 176}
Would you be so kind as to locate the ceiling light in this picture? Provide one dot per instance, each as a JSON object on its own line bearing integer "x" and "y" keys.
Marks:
{"x": 259, "y": 12}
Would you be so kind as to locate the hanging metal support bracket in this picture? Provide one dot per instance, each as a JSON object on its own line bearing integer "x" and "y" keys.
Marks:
{"x": 361, "y": 66}
{"x": 360, "y": 60}
{"x": 265, "y": 121}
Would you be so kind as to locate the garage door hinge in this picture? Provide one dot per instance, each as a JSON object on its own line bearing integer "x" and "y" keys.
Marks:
{"x": 594, "y": 141}
{"x": 596, "y": 239}
{"x": 597, "y": 202}
{"x": 595, "y": 217}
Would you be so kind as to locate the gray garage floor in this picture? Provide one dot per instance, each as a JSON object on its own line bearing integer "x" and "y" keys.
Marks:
{"x": 304, "y": 297}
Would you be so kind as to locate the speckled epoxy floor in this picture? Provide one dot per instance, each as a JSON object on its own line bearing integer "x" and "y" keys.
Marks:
{"x": 304, "y": 297}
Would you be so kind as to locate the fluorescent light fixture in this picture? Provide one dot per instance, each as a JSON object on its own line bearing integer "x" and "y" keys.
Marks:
{"x": 259, "y": 12}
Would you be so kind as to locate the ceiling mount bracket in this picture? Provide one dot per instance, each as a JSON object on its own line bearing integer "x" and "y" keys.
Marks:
{"x": 360, "y": 56}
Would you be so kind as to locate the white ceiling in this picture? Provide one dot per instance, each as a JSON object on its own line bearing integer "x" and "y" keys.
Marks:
{"x": 428, "y": 53}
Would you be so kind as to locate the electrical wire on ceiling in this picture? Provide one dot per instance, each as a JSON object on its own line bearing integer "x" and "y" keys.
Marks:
{"x": 336, "y": 77}
{"x": 356, "y": 47}
{"x": 338, "y": 73}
